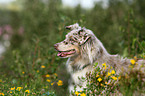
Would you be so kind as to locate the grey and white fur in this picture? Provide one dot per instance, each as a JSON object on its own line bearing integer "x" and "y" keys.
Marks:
{"x": 83, "y": 49}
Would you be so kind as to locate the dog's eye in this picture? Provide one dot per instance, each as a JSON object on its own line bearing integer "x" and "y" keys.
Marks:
{"x": 66, "y": 42}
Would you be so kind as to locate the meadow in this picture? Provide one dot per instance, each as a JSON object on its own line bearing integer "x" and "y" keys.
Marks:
{"x": 30, "y": 66}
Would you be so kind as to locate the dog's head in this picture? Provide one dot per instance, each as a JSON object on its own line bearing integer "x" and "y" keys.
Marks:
{"x": 79, "y": 41}
{"x": 74, "y": 40}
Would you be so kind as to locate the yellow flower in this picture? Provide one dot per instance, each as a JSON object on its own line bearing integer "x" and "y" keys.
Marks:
{"x": 37, "y": 71}
{"x": 102, "y": 85}
{"x": 108, "y": 74}
{"x": 2, "y": 94}
{"x": 77, "y": 93}
{"x": 55, "y": 74}
{"x": 83, "y": 94}
{"x": 104, "y": 66}
{"x": 106, "y": 83}
{"x": 97, "y": 76}
{"x": 115, "y": 78}
{"x": 112, "y": 72}
{"x": 48, "y": 80}
{"x": 119, "y": 77}
{"x": 135, "y": 57}
{"x": 10, "y": 91}
{"x": 132, "y": 61}
{"x": 19, "y": 88}
{"x": 23, "y": 72}
{"x": 52, "y": 83}
{"x": 59, "y": 83}
{"x": 99, "y": 79}
{"x": 27, "y": 91}
{"x": 13, "y": 88}
{"x": 0, "y": 80}
{"x": 42, "y": 66}
{"x": 47, "y": 75}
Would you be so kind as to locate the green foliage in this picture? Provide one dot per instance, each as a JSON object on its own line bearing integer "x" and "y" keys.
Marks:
{"x": 132, "y": 83}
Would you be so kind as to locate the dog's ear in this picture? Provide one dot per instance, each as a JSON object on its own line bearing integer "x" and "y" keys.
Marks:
{"x": 91, "y": 49}
{"x": 72, "y": 27}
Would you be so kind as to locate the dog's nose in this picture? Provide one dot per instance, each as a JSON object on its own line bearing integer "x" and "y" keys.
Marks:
{"x": 68, "y": 27}
{"x": 55, "y": 45}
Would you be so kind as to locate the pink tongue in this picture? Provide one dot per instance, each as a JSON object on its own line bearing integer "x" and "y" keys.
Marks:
{"x": 64, "y": 53}
{"x": 58, "y": 54}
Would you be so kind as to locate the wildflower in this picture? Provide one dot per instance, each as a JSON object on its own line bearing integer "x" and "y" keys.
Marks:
{"x": 97, "y": 76}
{"x": 47, "y": 75}
{"x": 13, "y": 88}
{"x": 135, "y": 57}
{"x": 102, "y": 85}
{"x": 115, "y": 78}
{"x": 80, "y": 90}
{"x": 27, "y": 91}
{"x": 106, "y": 83}
{"x": 77, "y": 93}
{"x": 10, "y": 91}
{"x": 48, "y": 80}
{"x": 2, "y": 94}
{"x": 52, "y": 83}
{"x": 42, "y": 66}
{"x": 132, "y": 61}
{"x": 83, "y": 94}
{"x": 37, "y": 71}
{"x": 104, "y": 65}
{"x": 99, "y": 79}
{"x": 119, "y": 77}
{"x": 0, "y": 80}
{"x": 19, "y": 88}
{"x": 59, "y": 83}
{"x": 23, "y": 72}
{"x": 108, "y": 74}
{"x": 112, "y": 72}
{"x": 55, "y": 74}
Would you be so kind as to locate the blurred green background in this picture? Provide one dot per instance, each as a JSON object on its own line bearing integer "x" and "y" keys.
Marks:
{"x": 30, "y": 28}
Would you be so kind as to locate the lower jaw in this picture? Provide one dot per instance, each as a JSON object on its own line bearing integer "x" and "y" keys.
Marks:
{"x": 67, "y": 56}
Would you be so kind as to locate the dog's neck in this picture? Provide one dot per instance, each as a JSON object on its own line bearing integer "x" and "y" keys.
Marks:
{"x": 77, "y": 63}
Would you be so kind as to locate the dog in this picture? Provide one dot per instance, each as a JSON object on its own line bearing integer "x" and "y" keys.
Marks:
{"x": 83, "y": 49}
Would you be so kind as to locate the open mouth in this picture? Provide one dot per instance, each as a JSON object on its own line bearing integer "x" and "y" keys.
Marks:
{"x": 65, "y": 53}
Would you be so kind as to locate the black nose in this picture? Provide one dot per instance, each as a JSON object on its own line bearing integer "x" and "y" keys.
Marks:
{"x": 55, "y": 45}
